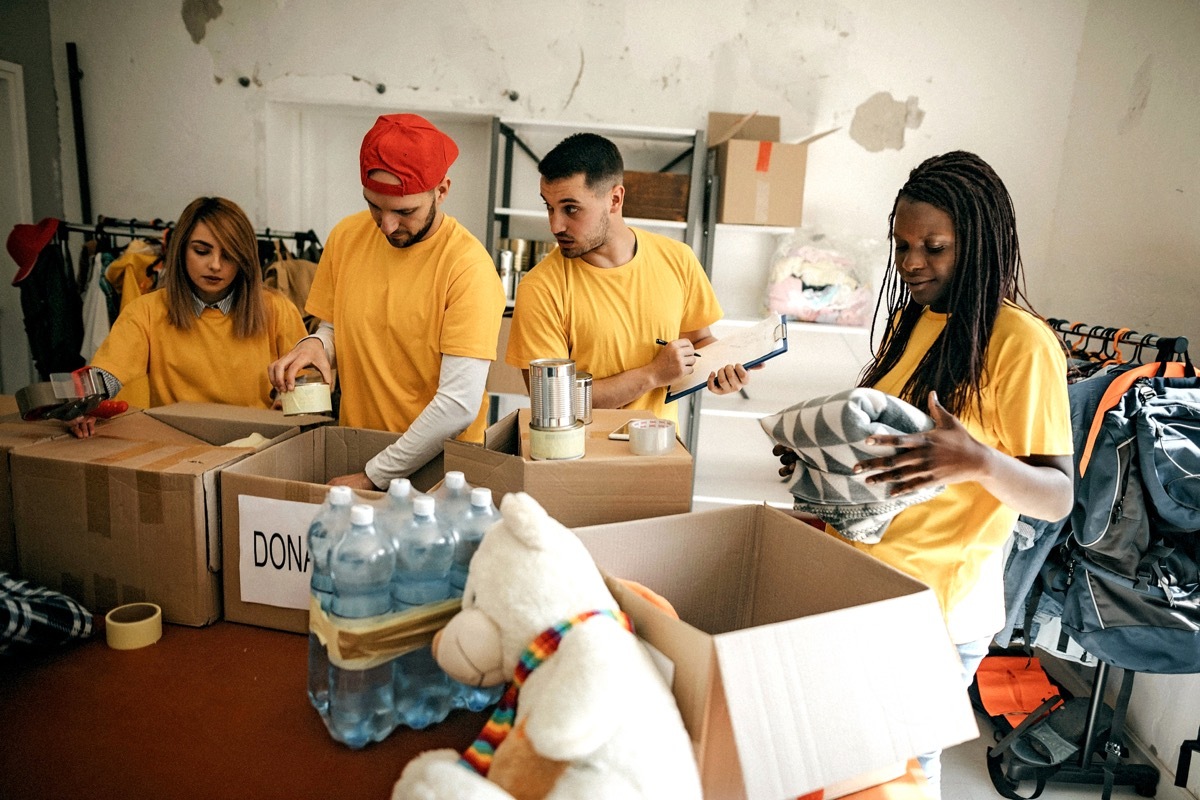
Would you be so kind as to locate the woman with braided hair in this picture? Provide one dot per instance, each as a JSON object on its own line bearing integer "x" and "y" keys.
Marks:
{"x": 960, "y": 340}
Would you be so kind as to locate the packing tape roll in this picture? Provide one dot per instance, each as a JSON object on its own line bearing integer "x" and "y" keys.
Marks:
{"x": 132, "y": 626}
{"x": 651, "y": 437}
{"x": 307, "y": 398}
{"x": 557, "y": 444}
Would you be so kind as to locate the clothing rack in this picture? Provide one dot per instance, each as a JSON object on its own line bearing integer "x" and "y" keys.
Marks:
{"x": 133, "y": 228}
{"x": 1166, "y": 347}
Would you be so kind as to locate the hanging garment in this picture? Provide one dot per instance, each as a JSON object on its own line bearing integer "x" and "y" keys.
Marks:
{"x": 95, "y": 310}
{"x": 50, "y": 302}
{"x": 293, "y": 276}
{"x": 136, "y": 271}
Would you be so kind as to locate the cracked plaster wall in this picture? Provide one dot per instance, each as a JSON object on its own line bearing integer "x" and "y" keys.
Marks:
{"x": 168, "y": 115}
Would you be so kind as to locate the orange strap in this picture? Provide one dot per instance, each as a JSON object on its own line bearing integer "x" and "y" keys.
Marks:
{"x": 1116, "y": 390}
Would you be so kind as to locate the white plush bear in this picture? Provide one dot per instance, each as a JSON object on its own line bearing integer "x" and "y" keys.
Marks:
{"x": 594, "y": 719}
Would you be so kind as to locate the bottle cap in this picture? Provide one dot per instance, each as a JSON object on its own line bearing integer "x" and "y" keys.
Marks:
{"x": 455, "y": 480}
{"x": 423, "y": 506}
{"x": 341, "y": 496}
{"x": 362, "y": 515}
{"x": 400, "y": 487}
{"x": 481, "y": 496}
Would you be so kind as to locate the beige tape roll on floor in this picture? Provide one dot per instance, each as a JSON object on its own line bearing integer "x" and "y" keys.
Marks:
{"x": 132, "y": 626}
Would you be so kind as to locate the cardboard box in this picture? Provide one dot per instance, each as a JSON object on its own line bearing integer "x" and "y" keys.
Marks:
{"x": 760, "y": 179}
{"x": 799, "y": 661}
{"x": 608, "y": 484}
{"x": 14, "y": 433}
{"x": 267, "y": 503}
{"x": 657, "y": 195}
{"x": 131, "y": 514}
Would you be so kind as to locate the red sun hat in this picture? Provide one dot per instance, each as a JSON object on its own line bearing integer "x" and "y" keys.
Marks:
{"x": 26, "y": 242}
{"x": 409, "y": 147}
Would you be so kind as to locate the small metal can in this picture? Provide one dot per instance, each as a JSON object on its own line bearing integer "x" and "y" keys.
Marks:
{"x": 581, "y": 400}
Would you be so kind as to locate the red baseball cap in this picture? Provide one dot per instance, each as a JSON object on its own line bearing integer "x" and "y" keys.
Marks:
{"x": 409, "y": 147}
{"x": 26, "y": 242}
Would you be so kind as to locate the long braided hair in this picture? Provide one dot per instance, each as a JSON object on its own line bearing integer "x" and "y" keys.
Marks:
{"x": 987, "y": 272}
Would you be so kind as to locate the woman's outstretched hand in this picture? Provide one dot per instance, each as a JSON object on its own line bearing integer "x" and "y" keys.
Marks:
{"x": 946, "y": 454}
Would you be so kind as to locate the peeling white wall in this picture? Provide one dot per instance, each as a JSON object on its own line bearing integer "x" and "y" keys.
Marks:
{"x": 167, "y": 118}
{"x": 1125, "y": 243}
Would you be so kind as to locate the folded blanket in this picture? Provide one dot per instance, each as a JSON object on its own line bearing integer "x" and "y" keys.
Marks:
{"x": 827, "y": 434}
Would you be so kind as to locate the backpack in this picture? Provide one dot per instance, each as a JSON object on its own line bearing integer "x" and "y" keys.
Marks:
{"x": 1132, "y": 593}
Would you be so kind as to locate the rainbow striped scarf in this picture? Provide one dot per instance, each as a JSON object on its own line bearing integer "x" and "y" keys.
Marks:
{"x": 479, "y": 755}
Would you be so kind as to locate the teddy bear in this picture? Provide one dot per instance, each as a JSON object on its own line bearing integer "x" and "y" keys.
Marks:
{"x": 594, "y": 718}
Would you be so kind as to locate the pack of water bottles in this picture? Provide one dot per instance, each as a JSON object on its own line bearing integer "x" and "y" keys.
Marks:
{"x": 376, "y": 563}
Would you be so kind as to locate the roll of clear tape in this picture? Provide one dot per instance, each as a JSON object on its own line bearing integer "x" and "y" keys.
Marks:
{"x": 557, "y": 444}
{"x": 651, "y": 437}
{"x": 134, "y": 625}
{"x": 307, "y": 398}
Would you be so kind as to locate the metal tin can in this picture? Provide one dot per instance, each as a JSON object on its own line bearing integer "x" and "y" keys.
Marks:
{"x": 551, "y": 392}
{"x": 582, "y": 400}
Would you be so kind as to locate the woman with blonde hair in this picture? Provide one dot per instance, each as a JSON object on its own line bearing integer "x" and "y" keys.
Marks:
{"x": 209, "y": 333}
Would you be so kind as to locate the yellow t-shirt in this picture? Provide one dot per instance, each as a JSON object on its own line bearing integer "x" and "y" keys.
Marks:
{"x": 205, "y": 364}
{"x": 946, "y": 540}
{"x": 606, "y": 319}
{"x": 397, "y": 311}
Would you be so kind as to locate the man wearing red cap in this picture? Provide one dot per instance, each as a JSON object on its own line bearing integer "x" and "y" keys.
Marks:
{"x": 415, "y": 302}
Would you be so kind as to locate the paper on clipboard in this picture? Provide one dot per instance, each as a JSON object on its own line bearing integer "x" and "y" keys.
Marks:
{"x": 746, "y": 346}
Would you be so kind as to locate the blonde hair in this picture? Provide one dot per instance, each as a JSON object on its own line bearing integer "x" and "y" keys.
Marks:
{"x": 235, "y": 236}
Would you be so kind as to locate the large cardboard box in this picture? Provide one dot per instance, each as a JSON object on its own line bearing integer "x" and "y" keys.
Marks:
{"x": 799, "y": 662}
{"x": 267, "y": 503}
{"x": 131, "y": 514}
{"x": 14, "y": 433}
{"x": 608, "y": 484}
{"x": 760, "y": 179}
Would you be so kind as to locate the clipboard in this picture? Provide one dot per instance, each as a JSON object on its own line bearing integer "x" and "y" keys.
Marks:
{"x": 748, "y": 346}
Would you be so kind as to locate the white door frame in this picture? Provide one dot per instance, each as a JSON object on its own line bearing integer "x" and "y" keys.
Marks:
{"x": 21, "y": 191}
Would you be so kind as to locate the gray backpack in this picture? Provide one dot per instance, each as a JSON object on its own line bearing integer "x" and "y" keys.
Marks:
{"x": 1133, "y": 592}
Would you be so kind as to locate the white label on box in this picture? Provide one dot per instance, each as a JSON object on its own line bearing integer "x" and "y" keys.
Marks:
{"x": 274, "y": 562}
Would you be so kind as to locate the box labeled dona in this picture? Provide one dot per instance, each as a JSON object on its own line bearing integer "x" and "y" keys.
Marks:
{"x": 267, "y": 503}
{"x": 131, "y": 514}
{"x": 608, "y": 484}
{"x": 799, "y": 662}
{"x": 760, "y": 179}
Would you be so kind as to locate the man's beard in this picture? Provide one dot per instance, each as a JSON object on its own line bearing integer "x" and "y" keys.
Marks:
{"x": 419, "y": 235}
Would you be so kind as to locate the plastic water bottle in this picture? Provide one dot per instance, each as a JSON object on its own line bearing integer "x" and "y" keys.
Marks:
{"x": 453, "y": 499}
{"x": 330, "y": 523}
{"x": 424, "y": 553}
{"x": 395, "y": 510}
{"x": 361, "y": 564}
{"x": 480, "y": 516}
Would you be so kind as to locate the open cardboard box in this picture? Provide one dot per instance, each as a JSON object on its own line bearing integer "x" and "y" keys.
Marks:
{"x": 131, "y": 514}
{"x": 267, "y": 503}
{"x": 761, "y": 179}
{"x": 608, "y": 484}
{"x": 799, "y": 662}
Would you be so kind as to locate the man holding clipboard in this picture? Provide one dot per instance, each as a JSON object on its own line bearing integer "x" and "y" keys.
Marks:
{"x": 608, "y": 294}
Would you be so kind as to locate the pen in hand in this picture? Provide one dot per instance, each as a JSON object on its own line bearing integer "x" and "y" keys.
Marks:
{"x": 660, "y": 341}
